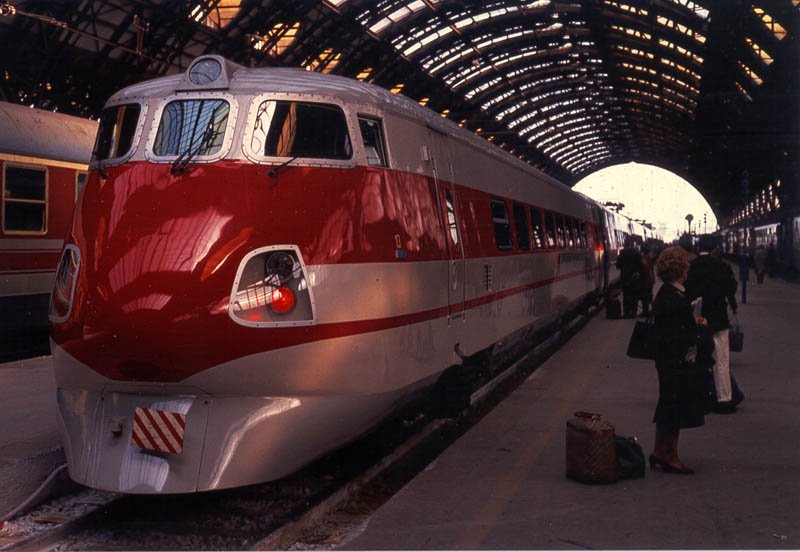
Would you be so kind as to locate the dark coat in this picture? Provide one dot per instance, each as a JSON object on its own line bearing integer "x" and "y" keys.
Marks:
{"x": 682, "y": 362}
{"x": 629, "y": 263}
{"x": 712, "y": 279}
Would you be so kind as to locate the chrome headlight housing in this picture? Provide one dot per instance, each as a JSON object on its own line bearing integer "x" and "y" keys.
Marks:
{"x": 271, "y": 289}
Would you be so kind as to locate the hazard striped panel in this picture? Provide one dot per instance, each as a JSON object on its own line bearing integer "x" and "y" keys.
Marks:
{"x": 158, "y": 430}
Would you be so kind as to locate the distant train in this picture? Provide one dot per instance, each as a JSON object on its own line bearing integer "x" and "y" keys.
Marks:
{"x": 781, "y": 234}
{"x": 266, "y": 262}
{"x": 44, "y": 159}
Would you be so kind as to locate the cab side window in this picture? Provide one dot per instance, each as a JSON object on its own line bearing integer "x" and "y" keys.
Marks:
{"x": 374, "y": 145}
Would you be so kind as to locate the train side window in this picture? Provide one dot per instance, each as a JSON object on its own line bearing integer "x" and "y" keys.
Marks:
{"x": 374, "y": 145}
{"x": 550, "y": 229}
{"x": 195, "y": 126}
{"x": 584, "y": 238}
{"x": 521, "y": 227}
{"x": 502, "y": 226}
{"x": 560, "y": 239}
{"x": 117, "y": 131}
{"x": 80, "y": 182}
{"x": 24, "y": 200}
{"x": 537, "y": 227}
{"x": 452, "y": 224}
{"x": 570, "y": 232}
{"x": 286, "y": 128}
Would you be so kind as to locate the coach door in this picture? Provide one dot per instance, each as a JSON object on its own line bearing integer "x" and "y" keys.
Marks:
{"x": 444, "y": 176}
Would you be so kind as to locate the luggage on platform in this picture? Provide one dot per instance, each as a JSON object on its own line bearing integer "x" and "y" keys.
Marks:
{"x": 591, "y": 452}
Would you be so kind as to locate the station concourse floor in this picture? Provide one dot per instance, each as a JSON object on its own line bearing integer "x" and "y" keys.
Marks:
{"x": 502, "y": 485}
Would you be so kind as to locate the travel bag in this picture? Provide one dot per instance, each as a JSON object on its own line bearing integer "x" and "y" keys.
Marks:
{"x": 591, "y": 452}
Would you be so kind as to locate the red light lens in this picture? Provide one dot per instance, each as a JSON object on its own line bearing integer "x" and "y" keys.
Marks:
{"x": 282, "y": 300}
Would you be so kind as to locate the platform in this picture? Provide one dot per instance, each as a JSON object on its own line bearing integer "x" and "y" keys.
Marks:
{"x": 502, "y": 485}
{"x": 30, "y": 446}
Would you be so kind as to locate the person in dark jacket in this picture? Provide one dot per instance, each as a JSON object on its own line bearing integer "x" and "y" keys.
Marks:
{"x": 648, "y": 279}
{"x": 680, "y": 365}
{"x": 629, "y": 263}
{"x": 712, "y": 279}
{"x": 743, "y": 259}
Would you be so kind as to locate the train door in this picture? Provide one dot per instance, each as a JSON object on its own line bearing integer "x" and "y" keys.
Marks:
{"x": 444, "y": 176}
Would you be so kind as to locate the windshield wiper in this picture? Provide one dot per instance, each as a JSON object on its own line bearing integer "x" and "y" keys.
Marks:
{"x": 207, "y": 138}
{"x": 273, "y": 172}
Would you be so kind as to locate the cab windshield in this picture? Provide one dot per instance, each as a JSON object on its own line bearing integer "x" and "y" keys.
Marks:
{"x": 298, "y": 129}
{"x": 194, "y": 127}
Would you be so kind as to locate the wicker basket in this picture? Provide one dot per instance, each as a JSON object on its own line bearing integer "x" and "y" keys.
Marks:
{"x": 591, "y": 455}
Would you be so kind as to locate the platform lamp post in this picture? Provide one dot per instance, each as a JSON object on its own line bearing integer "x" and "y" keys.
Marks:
{"x": 705, "y": 223}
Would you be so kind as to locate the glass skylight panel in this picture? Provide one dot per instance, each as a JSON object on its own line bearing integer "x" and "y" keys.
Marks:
{"x": 681, "y": 68}
{"x": 632, "y": 32}
{"x": 743, "y": 91}
{"x": 681, "y": 50}
{"x": 639, "y": 68}
{"x": 425, "y": 40}
{"x": 475, "y": 91}
{"x": 497, "y": 99}
{"x": 633, "y": 51}
{"x": 397, "y": 16}
{"x": 680, "y": 83}
{"x": 760, "y": 52}
{"x": 752, "y": 74}
{"x": 218, "y": 17}
{"x": 774, "y": 27}
{"x": 325, "y": 62}
{"x": 278, "y": 39}
{"x": 683, "y": 29}
{"x": 626, "y": 7}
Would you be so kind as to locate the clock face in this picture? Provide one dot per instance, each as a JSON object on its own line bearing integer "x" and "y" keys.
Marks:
{"x": 205, "y": 71}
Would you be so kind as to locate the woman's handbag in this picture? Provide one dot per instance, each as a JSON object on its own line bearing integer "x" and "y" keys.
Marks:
{"x": 642, "y": 343}
{"x": 736, "y": 336}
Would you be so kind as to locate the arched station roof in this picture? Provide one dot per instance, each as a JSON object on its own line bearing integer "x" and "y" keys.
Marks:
{"x": 705, "y": 88}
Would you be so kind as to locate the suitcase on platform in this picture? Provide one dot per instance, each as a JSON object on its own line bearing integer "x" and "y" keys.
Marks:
{"x": 591, "y": 452}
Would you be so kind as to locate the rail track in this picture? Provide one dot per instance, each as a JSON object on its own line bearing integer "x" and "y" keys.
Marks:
{"x": 322, "y": 506}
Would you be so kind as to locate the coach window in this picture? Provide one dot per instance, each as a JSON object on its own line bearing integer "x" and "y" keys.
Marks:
{"x": 537, "y": 227}
{"x": 193, "y": 126}
{"x": 569, "y": 226}
{"x": 452, "y": 225}
{"x": 550, "y": 229}
{"x": 117, "y": 131}
{"x": 521, "y": 227}
{"x": 24, "y": 200}
{"x": 80, "y": 182}
{"x": 502, "y": 226}
{"x": 560, "y": 236}
{"x": 286, "y": 128}
{"x": 372, "y": 135}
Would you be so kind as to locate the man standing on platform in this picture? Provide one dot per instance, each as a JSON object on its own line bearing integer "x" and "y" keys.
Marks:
{"x": 629, "y": 263}
{"x": 713, "y": 280}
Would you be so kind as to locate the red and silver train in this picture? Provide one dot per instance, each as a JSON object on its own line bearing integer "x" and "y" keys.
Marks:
{"x": 44, "y": 158}
{"x": 265, "y": 262}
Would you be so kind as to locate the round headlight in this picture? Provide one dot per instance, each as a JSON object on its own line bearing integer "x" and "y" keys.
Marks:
{"x": 205, "y": 71}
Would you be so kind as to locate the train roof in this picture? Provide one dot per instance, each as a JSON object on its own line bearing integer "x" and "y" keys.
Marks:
{"x": 44, "y": 134}
{"x": 284, "y": 80}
